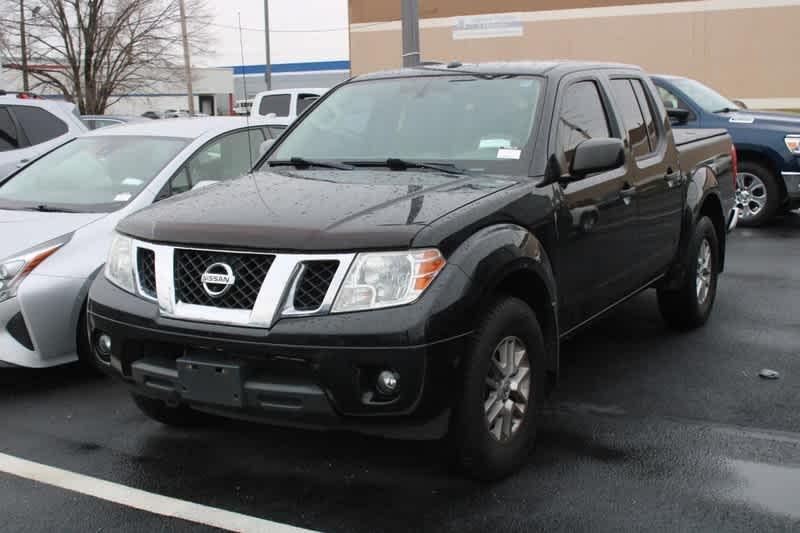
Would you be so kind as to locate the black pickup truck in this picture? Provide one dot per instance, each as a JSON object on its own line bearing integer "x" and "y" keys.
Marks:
{"x": 405, "y": 259}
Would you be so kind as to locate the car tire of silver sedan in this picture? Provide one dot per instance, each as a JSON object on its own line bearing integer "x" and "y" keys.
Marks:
{"x": 493, "y": 425}
{"x": 689, "y": 306}
{"x": 758, "y": 195}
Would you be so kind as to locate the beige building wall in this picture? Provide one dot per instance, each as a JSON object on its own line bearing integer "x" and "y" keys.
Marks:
{"x": 740, "y": 47}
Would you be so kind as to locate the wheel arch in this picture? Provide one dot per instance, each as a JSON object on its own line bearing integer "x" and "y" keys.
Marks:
{"x": 748, "y": 153}
{"x": 507, "y": 259}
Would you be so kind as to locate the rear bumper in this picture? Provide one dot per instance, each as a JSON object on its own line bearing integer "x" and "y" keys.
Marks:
{"x": 246, "y": 373}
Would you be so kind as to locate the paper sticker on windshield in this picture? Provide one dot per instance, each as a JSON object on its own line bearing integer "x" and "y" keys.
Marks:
{"x": 124, "y": 197}
{"x": 494, "y": 143}
{"x": 132, "y": 182}
{"x": 508, "y": 153}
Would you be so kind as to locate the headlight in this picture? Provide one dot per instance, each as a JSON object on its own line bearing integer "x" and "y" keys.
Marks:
{"x": 793, "y": 143}
{"x": 387, "y": 279}
{"x": 119, "y": 266}
{"x": 15, "y": 269}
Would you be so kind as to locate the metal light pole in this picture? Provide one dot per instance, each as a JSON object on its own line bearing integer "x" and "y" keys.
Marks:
{"x": 23, "y": 45}
{"x": 187, "y": 65}
{"x": 411, "y": 56}
{"x": 268, "y": 66}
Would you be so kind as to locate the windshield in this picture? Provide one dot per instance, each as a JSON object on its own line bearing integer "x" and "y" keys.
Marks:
{"x": 705, "y": 97}
{"x": 95, "y": 174}
{"x": 477, "y": 123}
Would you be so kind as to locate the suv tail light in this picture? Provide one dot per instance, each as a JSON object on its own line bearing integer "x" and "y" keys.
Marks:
{"x": 734, "y": 166}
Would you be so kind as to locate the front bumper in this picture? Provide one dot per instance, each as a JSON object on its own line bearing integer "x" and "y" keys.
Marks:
{"x": 792, "y": 182}
{"x": 309, "y": 372}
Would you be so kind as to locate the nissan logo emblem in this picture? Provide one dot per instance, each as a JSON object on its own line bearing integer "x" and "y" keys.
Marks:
{"x": 218, "y": 279}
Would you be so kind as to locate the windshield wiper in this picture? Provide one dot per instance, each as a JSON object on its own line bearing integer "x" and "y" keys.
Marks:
{"x": 402, "y": 164}
{"x": 44, "y": 208}
{"x": 299, "y": 162}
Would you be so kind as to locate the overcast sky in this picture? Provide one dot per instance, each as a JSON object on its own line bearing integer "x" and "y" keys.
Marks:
{"x": 291, "y": 38}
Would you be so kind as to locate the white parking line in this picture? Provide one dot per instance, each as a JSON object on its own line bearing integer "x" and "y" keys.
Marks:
{"x": 139, "y": 499}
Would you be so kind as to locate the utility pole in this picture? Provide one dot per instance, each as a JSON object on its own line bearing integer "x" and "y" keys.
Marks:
{"x": 187, "y": 62}
{"x": 411, "y": 56}
{"x": 268, "y": 65}
{"x": 23, "y": 46}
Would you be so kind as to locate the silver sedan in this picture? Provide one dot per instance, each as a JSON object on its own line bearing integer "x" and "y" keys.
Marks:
{"x": 57, "y": 215}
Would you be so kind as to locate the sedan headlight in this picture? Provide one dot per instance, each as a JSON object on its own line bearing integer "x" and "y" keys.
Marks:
{"x": 793, "y": 143}
{"x": 15, "y": 269}
{"x": 387, "y": 279}
{"x": 119, "y": 266}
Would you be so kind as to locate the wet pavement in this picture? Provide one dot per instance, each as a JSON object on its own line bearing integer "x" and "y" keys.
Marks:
{"x": 649, "y": 429}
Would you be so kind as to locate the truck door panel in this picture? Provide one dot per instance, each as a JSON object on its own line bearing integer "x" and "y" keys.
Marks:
{"x": 597, "y": 221}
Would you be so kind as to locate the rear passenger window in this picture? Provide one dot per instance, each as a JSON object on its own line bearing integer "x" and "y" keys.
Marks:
{"x": 649, "y": 112}
{"x": 8, "y": 132}
{"x": 275, "y": 103}
{"x": 304, "y": 101}
{"x": 582, "y": 117}
{"x": 39, "y": 125}
{"x": 632, "y": 117}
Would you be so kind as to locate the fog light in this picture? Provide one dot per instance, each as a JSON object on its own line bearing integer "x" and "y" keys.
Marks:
{"x": 387, "y": 382}
{"x": 104, "y": 345}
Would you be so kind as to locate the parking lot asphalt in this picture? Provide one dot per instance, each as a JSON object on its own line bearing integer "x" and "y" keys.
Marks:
{"x": 648, "y": 429}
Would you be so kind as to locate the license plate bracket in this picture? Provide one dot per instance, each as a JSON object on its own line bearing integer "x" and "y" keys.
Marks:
{"x": 211, "y": 381}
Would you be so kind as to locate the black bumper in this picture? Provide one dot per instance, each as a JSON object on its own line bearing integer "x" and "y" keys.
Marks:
{"x": 326, "y": 378}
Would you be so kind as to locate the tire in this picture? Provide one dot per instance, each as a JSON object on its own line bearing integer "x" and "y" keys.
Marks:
{"x": 477, "y": 451}
{"x": 179, "y": 416}
{"x": 758, "y": 194}
{"x": 689, "y": 306}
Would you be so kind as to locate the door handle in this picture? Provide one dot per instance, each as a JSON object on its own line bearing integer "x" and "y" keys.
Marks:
{"x": 628, "y": 192}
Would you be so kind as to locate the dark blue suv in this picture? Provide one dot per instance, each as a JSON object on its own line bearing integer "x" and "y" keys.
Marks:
{"x": 768, "y": 145}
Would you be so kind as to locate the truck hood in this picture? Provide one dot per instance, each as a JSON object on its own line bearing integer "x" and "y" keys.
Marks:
{"x": 788, "y": 121}
{"x": 312, "y": 210}
{"x": 25, "y": 229}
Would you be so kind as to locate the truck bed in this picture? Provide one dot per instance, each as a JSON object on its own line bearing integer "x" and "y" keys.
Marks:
{"x": 688, "y": 135}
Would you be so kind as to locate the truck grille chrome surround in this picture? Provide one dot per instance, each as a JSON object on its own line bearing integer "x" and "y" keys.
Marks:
{"x": 266, "y": 286}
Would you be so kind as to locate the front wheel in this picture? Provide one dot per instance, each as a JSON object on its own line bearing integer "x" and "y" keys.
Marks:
{"x": 690, "y": 305}
{"x": 493, "y": 427}
{"x": 758, "y": 195}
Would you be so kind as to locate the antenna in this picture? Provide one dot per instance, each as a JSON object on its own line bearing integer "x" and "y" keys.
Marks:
{"x": 244, "y": 86}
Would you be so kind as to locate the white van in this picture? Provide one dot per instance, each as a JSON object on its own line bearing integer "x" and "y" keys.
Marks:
{"x": 284, "y": 103}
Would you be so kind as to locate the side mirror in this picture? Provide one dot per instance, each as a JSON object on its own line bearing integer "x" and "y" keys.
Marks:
{"x": 597, "y": 155}
{"x": 203, "y": 183}
{"x": 678, "y": 116}
{"x": 264, "y": 146}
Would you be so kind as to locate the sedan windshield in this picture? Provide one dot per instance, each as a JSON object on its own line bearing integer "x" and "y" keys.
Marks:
{"x": 470, "y": 122}
{"x": 706, "y": 97}
{"x": 94, "y": 174}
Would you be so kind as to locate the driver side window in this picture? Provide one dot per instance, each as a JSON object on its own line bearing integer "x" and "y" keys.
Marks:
{"x": 582, "y": 117}
{"x": 671, "y": 101}
{"x": 224, "y": 158}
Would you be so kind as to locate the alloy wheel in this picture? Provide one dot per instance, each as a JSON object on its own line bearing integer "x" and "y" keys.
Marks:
{"x": 751, "y": 194}
{"x": 703, "y": 281}
{"x": 507, "y": 388}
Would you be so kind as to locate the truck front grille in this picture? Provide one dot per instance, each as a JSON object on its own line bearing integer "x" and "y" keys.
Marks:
{"x": 146, "y": 264}
{"x": 249, "y": 271}
{"x": 313, "y": 285}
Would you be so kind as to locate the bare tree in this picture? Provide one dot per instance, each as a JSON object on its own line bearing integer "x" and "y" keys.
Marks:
{"x": 94, "y": 52}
